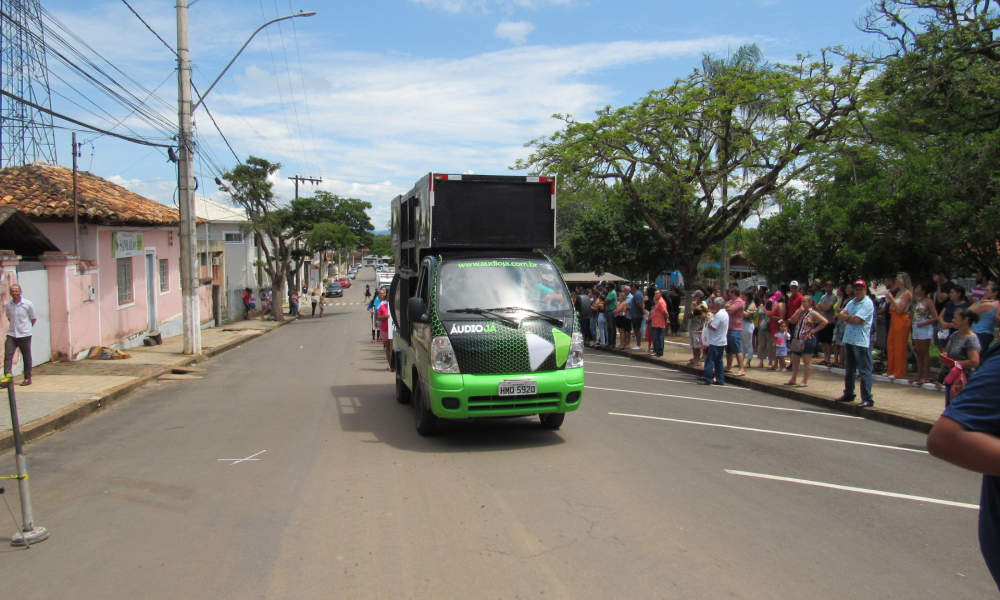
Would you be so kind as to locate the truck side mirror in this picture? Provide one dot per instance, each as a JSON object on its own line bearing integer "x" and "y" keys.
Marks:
{"x": 416, "y": 310}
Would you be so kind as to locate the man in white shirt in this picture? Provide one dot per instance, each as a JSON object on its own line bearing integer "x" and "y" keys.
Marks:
{"x": 718, "y": 327}
{"x": 21, "y": 317}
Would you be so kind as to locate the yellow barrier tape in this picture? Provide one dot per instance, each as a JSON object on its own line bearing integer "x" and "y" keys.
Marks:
{"x": 15, "y": 477}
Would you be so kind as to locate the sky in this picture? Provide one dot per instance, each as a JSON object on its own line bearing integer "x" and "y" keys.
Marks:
{"x": 370, "y": 96}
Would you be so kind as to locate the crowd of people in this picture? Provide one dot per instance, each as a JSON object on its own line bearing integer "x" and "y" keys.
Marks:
{"x": 784, "y": 328}
{"x": 381, "y": 318}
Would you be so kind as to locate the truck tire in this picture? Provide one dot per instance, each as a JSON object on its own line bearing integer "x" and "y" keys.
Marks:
{"x": 424, "y": 418}
{"x": 552, "y": 421}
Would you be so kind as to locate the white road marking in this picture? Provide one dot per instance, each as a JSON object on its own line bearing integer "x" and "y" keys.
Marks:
{"x": 801, "y": 435}
{"x": 854, "y": 489}
{"x": 239, "y": 460}
{"x": 799, "y": 410}
{"x": 638, "y": 377}
{"x": 594, "y": 362}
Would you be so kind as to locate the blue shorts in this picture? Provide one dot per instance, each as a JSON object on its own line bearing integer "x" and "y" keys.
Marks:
{"x": 808, "y": 348}
{"x": 734, "y": 341}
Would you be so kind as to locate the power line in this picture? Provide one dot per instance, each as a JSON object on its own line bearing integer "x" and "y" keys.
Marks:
{"x": 274, "y": 65}
{"x": 305, "y": 96}
{"x": 291, "y": 88}
{"x": 81, "y": 123}
{"x": 174, "y": 52}
{"x": 217, "y": 128}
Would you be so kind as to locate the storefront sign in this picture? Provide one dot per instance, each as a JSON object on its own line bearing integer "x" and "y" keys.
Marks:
{"x": 125, "y": 244}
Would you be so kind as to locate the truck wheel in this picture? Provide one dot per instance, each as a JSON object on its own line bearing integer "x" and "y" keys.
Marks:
{"x": 552, "y": 421}
{"x": 425, "y": 419}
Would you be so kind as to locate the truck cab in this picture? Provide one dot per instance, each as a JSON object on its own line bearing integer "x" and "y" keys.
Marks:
{"x": 482, "y": 330}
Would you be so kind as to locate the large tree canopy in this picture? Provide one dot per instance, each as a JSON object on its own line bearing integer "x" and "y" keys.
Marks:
{"x": 769, "y": 123}
{"x": 917, "y": 186}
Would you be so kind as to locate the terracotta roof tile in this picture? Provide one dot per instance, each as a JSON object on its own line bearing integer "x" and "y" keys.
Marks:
{"x": 46, "y": 191}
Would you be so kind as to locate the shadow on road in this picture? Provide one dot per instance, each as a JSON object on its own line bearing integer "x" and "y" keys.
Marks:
{"x": 373, "y": 409}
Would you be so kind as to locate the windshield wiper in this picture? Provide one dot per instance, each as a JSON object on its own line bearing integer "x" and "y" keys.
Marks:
{"x": 549, "y": 318}
{"x": 485, "y": 311}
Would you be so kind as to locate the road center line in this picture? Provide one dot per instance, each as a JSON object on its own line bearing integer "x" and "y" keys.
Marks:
{"x": 799, "y": 410}
{"x": 688, "y": 382}
{"x": 801, "y": 435}
{"x": 848, "y": 488}
{"x": 594, "y": 362}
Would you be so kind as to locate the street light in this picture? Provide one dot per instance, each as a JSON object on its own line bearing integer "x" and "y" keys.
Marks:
{"x": 185, "y": 174}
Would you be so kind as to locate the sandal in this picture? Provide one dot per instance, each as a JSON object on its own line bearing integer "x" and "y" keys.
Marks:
{"x": 801, "y": 385}
{"x": 789, "y": 383}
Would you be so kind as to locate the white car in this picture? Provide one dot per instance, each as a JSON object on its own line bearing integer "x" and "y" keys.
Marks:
{"x": 385, "y": 278}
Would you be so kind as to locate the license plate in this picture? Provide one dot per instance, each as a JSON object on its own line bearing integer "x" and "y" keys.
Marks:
{"x": 525, "y": 387}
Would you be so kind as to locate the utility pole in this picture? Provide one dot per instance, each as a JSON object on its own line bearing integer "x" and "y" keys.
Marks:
{"x": 191, "y": 308}
{"x": 185, "y": 173}
{"x": 76, "y": 203}
{"x": 317, "y": 181}
{"x": 298, "y": 178}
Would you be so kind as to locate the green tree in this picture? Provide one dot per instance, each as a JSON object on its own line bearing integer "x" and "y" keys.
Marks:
{"x": 250, "y": 189}
{"x": 720, "y": 74}
{"x": 351, "y": 212}
{"x": 938, "y": 125}
{"x": 779, "y": 119}
{"x": 381, "y": 245}
{"x": 607, "y": 235}
{"x": 330, "y": 237}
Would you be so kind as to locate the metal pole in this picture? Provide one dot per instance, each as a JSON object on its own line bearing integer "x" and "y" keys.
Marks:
{"x": 191, "y": 308}
{"x": 76, "y": 205}
{"x": 30, "y": 533}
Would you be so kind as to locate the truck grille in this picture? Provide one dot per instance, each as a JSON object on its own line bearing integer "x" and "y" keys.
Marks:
{"x": 484, "y": 403}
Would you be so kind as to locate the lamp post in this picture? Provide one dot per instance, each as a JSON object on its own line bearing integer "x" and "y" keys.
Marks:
{"x": 185, "y": 174}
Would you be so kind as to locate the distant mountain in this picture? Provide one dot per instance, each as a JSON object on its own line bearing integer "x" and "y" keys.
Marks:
{"x": 383, "y": 232}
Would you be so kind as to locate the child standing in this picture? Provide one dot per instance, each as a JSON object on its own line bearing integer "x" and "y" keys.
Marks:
{"x": 781, "y": 345}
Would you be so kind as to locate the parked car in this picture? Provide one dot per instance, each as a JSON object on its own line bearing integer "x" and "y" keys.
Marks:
{"x": 334, "y": 290}
{"x": 352, "y": 274}
{"x": 344, "y": 282}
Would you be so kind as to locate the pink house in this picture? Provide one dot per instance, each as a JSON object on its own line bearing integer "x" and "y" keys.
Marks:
{"x": 125, "y": 282}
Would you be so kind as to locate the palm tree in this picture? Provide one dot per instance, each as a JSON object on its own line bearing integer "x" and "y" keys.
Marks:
{"x": 719, "y": 75}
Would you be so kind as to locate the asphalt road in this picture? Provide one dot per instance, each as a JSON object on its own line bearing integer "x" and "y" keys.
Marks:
{"x": 635, "y": 497}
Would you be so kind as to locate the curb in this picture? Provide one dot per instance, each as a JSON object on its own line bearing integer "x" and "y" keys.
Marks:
{"x": 64, "y": 417}
{"x": 791, "y": 394}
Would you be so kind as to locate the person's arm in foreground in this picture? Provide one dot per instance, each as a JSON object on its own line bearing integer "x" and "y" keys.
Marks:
{"x": 972, "y": 450}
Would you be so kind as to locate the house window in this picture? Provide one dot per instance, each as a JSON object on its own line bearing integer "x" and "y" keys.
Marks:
{"x": 234, "y": 237}
{"x": 125, "y": 294}
{"x": 164, "y": 275}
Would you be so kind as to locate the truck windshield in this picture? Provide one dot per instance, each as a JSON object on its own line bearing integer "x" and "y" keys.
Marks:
{"x": 531, "y": 284}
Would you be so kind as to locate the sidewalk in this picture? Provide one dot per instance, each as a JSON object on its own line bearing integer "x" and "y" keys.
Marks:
{"x": 897, "y": 404}
{"x": 64, "y": 392}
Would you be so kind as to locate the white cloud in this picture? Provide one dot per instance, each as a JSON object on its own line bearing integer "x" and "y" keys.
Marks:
{"x": 386, "y": 120}
{"x": 514, "y": 31}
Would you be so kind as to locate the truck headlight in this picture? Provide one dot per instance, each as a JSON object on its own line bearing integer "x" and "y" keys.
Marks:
{"x": 443, "y": 356}
{"x": 575, "y": 359}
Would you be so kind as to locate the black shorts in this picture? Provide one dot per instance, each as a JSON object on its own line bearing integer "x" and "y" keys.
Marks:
{"x": 825, "y": 335}
{"x": 637, "y": 324}
{"x": 621, "y": 322}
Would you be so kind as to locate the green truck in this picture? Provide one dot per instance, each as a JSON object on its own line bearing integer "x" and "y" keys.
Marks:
{"x": 483, "y": 322}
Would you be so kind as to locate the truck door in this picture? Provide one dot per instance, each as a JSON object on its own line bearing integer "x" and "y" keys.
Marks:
{"x": 421, "y": 332}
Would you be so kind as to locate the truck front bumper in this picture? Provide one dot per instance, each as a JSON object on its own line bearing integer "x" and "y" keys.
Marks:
{"x": 468, "y": 396}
